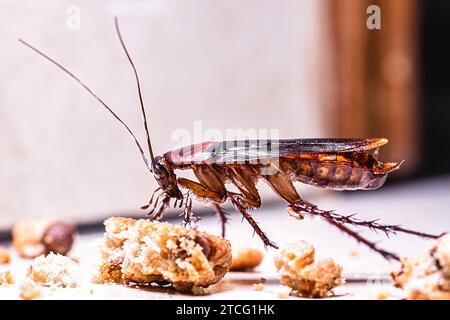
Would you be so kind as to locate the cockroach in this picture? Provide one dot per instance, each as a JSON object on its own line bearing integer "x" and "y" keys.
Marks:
{"x": 334, "y": 163}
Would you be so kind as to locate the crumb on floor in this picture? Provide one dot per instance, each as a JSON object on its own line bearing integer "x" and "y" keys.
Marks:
{"x": 29, "y": 290}
{"x": 5, "y": 256}
{"x": 246, "y": 259}
{"x": 307, "y": 277}
{"x": 6, "y": 278}
{"x": 259, "y": 286}
{"x": 426, "y": 275}
{"x": 54, "y": 270}
{"x": 283, "y": 292}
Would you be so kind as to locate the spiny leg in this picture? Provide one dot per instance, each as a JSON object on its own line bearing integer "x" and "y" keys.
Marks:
{"x": 216, "y": 192}
{"x": 158, "y": 210}
{"x": 304, "y": 206}
{"x": 294, "y": 212}
{"x": 372, "y": 245}
{"x": 282, "y": 185}
{"x": 239, "y": 204}
{"x": 188, "y": 219}
{"x": 145, "y": 207}
{"x": 223, "y": 217}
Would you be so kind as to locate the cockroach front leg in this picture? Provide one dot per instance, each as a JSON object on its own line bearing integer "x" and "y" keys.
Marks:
{"x": 201, "y": 191}
{"x": 188, "y": 219}
{"x": 157, "y": 212}
{"x": 145, "y": 207}
{"x": 240, "y": 205}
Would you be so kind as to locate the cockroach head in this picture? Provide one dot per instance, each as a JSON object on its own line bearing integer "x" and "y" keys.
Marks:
{"x": 166, "y": 178}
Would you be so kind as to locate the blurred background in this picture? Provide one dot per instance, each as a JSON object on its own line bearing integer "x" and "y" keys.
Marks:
{"x": 304, "y": 67}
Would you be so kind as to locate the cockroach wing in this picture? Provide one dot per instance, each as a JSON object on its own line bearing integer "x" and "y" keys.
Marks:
{"x": 245, "y": 151}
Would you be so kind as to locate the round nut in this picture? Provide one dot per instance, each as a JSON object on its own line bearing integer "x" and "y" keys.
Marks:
{"x": 59, "y": 237}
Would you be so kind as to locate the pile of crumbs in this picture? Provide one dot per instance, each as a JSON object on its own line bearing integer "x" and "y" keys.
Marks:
{"x": 426, "y": 275}
{"x": 6, "y": 278}
{"x": 144, "y": 252}
{"x": 307, "y": 277}
{"x": 55, "y": 270}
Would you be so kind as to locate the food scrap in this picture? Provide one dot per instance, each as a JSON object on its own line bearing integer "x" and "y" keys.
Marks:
{"x": 307, "y": 277}
{"x": 32, "y": 238}
{"x": 246, "y": 259}
{"x": 54, "y": 270}
{"x": 426, "y": 275}
{"x": 144, "y": 252}
{"x": 259, "y": 286}
{"x": 29, "y": 290}
{"x": 5, "y": 256}
{"x": 6, "y": 278}
{"x": 283, "y": 292}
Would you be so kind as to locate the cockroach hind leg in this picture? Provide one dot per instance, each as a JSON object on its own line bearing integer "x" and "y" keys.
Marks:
{"x": 269, "y": 243}
{"x": 295, "y": 213}
{"x": 373, "y": 225}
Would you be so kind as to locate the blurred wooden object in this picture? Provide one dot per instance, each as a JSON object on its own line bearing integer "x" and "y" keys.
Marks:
{"x": 376, "y": 75}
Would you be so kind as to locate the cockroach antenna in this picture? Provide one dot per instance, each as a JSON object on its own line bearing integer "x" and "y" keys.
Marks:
{"x": 144, "y": 157}
{"x": 141, "y": 100}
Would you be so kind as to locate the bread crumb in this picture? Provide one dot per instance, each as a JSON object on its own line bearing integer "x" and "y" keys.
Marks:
{"x": 375, "y": 292}
{"x": 246, "y": 259}
{"x": 354, "y": 253}
{"x": 199, "y": 291}
{"x": 259, "y": 286}
{"x": 426, "y": 275}
{"x": 383, "y": 295}
{"x": 29, "y": 290}
{"x": 6, "y": 278}
{"x": 144, "y": 252}
{"x": 307, "y": 277}
{"x": 54, "y": 270}
{"x": 283, "y": 292}
{"x": 5, "y": 256}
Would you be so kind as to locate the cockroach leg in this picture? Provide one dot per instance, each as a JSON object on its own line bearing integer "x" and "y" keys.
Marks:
{"x": 386, "y": 254}
{"x": 151, "y": 199}
{"x": 298, "y": 208}
{"x": 158, "y": 210}
{"x": 188, "y": 217}
{"x": 187, "y": 214}
{"x": 241, "y": 207}
{"x": 299, "y": 214}
{"x": 304, "y": 206}
{"x": 223, "y": 217}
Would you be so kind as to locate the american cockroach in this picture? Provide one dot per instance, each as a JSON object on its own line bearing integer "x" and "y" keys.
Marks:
{"x": 335, "y": 163}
